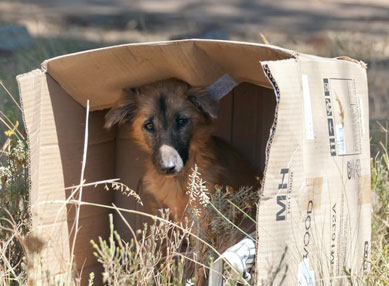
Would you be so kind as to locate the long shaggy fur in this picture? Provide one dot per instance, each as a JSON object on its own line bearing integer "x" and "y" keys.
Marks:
{"x": 217, "y": 161}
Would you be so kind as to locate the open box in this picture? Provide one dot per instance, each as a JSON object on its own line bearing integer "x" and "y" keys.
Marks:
{"x": 301, "y": 120}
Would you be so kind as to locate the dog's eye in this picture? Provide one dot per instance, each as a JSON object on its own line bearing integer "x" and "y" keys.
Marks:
{"x": 149, "y": 126}
{"x": 182, "y": 121}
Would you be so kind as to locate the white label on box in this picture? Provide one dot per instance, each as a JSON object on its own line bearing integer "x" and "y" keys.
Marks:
{"x": 307, "y": 109}
{"x": 340, "y": 140}
{"x": 306, "y": 277}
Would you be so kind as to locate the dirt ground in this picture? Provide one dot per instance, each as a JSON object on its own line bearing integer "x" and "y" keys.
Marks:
{"x": 359, "y": 29}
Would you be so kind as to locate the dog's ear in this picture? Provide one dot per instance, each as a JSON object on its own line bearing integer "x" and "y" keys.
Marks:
{"x": 204, "y": 102}
{"x": 123, "y": 111}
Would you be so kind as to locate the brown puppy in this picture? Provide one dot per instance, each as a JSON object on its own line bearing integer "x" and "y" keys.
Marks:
{"x": 172, "y": 121}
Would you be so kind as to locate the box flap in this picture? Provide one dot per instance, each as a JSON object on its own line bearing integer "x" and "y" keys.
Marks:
{"x": 47, "y": 181}
{"x": 100, "y": 75}
{"x": 316, "y": 196}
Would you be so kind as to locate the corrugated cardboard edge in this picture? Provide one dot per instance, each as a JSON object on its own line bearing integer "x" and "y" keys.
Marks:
{"x": 273, "y": 129}
{"x": 269, "y": 145}
{"x": 26, "y": 126}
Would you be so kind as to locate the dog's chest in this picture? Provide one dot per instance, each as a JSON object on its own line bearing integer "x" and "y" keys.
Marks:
{"x": 168, "y": 192}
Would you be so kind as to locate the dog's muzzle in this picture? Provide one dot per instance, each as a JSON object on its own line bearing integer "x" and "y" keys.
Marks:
{"x": 171, "y": 161}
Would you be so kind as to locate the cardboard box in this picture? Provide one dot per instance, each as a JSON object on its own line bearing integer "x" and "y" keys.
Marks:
{"x": 300, "y": 119}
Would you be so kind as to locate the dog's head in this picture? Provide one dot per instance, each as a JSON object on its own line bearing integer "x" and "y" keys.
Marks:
{"x": 166, "y": 118}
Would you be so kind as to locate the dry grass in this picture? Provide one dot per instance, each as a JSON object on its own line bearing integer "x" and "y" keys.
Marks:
{"x": 14, "y": 200}
{"x": 157, "y": 257}
{"x": 379, "y": 259}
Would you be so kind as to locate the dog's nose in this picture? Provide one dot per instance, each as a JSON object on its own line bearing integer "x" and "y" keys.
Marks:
{"x": 169, "y": 170}
{"x": 170, "y": 160}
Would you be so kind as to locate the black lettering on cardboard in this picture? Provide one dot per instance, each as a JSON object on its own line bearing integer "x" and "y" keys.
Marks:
{"x": 328, "y": 106}
{"x": 281, "y": 213}
{"x": 331, "y": 130}
{"x": 332, "y": 147}
{"x": 283, "y": 173}
{"x": 333, "y": 235}
{"x": 310, "y": 207}
{"x": 306, "y": 253}
{"x": 349, "y": 169}
{"x": 365, "y": 255}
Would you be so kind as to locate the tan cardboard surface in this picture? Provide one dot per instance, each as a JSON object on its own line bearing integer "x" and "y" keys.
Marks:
{"x": 47, "y": 181}
{"x": 101, "y": 75}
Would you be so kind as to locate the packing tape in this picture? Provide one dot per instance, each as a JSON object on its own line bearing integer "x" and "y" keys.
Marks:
{"x": 221, "y": 87}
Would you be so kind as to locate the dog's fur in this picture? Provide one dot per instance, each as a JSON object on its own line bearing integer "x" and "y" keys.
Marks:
{"x": 172, "y": 122}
